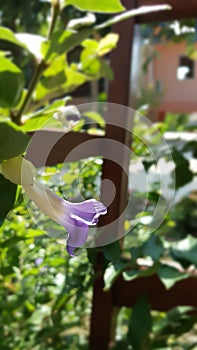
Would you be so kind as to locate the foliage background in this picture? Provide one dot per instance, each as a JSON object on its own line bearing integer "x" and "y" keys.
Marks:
{"x": 46, "y": 297}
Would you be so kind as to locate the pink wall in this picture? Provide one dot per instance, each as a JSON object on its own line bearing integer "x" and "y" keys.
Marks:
{"x": 179, "y": 95}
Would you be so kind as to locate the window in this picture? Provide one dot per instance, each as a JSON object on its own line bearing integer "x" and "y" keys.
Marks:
{"x": 185, "y": 68}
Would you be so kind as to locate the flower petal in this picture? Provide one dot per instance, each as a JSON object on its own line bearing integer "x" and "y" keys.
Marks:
{"x": 88, "y": 211}
{"x": 77, "y": 234}
{"x": 75, "y": 217}
{"x": 70, "y": 250}
{"x": 49, "y": 202}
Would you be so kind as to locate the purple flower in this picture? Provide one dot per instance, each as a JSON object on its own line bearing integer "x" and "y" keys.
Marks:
{"x": 75, "y": 217}
{"x": 38, "y": 261}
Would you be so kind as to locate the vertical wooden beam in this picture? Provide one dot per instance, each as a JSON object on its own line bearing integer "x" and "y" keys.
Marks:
{"x": 102, "y": 307}
{"x": 121, "y": 59}
{"x": 118, "y": 93}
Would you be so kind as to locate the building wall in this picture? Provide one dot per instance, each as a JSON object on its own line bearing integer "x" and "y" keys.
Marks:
{"x": 179, "y": 95}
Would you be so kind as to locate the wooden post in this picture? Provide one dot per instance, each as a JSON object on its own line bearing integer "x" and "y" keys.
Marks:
{"x": 102, "y": 304}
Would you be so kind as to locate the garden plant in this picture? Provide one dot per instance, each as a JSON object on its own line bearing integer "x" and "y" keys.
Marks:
{"x": 48, "y": 49}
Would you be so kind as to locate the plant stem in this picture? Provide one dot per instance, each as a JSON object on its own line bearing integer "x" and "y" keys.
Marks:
{"x": 54, "y": 14}
{"x": 38, "y": 72}
{"x": 131, "y": 13}
{"x": 41, "y": 66}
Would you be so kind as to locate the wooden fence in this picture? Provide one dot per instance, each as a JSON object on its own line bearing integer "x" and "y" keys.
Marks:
{"x": 122, "y": 293}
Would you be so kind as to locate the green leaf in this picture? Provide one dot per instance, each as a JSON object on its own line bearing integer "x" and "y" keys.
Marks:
{"x": 5, "y": 271}
{"x": 62, "y": 42}
{"x": 11, "y": 83}
{"x": 170, "y": 275}
{"x": 136, "y": 252}
{"x": 13, "y": 141}
{"x": 107, "y": 43}
{"x": 90, "y": 62}
{"x": 140, "y": 325}
{"x": 96, "y": 117}
{"x": 112, "y": 272}
{"x": 94, "y": 65}
{"x": 191, "y": 147}
{"x": 55, "y": 76}
{"x": 56, "y": 66}
{"x": 8, "y": 35}
{"x": 90, "y": 59}
{"x": 73, "y": 79}
{"x": 110, "y": 6}
{"x": 112, "y": 251}
{"x": 153, "y": 247}
{"x": 182, "y": 177}
{"x": 7, "y": 197}
{"x": 185, "y": 251}
{"x": 132, "y": 274}
{"x": 32, "y": 42}
{"x": 105, "y": 70}
{"x": 11, "y": 242}
{"x": 40, "y": 118}
{"x": 91, "y": 44}
{"x": 54, "y": 81}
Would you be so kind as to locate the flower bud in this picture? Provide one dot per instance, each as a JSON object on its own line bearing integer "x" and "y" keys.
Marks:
{"x": 18, "y": 170}
{"x": 69, "y": 116}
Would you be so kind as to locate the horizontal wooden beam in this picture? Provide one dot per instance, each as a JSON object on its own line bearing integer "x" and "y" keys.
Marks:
{"x": 182, "y": 293}
{"x": 180, "y": 10}
{"x": 50, "y": 147}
